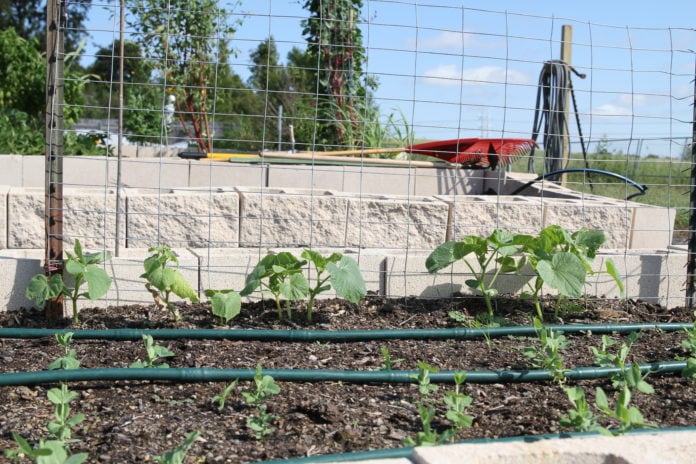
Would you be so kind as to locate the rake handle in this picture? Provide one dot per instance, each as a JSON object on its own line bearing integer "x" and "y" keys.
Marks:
{"x": 356, "y": 152}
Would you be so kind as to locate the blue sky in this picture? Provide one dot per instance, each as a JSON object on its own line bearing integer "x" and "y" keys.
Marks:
{"x": 470, "y": 68}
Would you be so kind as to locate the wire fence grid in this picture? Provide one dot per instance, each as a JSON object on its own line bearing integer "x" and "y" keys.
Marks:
{"x": 193, "y": 119}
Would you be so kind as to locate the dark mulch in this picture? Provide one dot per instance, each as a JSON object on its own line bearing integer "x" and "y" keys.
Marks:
{"x": 132, "y": 421}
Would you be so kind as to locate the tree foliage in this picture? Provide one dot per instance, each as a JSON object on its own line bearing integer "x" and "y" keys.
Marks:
{"x": 335, "y": 46}
{"x": 28, "y": 18}
{"x": 187, "y": 41}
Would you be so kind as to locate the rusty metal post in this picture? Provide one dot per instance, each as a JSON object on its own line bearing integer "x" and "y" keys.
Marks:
{"x": 691, "y": 258}
{"x": 53, "y": 214}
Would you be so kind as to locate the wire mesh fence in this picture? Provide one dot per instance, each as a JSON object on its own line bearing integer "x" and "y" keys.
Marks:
{"x": 228, "y": 130}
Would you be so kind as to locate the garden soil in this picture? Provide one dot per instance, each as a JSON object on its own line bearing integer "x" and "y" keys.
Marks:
{"x": 134, "y": 421}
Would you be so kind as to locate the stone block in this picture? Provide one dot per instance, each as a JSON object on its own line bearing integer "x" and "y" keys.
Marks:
{"x": 87, "y": 171}
{"x": 370, "y": 262}
{"x": 128, "y": 287}
{"x": 33, "y": 171}
{"x": 4, "y": 190}
{"x": 306, "y": 176}
{"x": 442, "y": 181}
{"x": 407, "y": 275}
{"x": 88, "y": 214}
{"x": 292, "y": 217}
{"x": 637, "y": 448}
{"x": 481, "y": 214}
{"x": 229, "y": 175}
{"x": 11, "y": 167}
{"x": 152, "y": 173}
{"x": 183, "y": 218}
{"x": 652, "y": 227}
{"x": 395, "y": 221}
{"x": 226, "y": 268}
{"x": 613, "y": 217}
{"x": 18, "y": 267}
{"x": 379, "y": 180}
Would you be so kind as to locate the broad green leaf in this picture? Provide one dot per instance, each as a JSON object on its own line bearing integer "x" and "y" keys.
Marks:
{"x": 589, "y": 240}
{"x": 347, "y": 279}
{"x": 74, "y": 267}
{"x": 98, "y": 281}
{"x": 449, "y": 252}
{"x": 41, "y": 288}
{"x": 501, "y": 237}
{"x": 181, "y": 288}
{"x": 612, "y": 271}
{"x": 473, "y": 283}
{"x": 97, "y": 258}
{"x": 601, "y": 399}
{"x": 295, "y": 287}
{"x": 226, "y": 306}
{"x": 316, "y": 258}
{"x": 565, "y": 273}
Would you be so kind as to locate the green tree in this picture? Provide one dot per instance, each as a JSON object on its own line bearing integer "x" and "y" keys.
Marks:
{"x": 144, "y": 97}
{"x": 186, "y": 40}
{"x": 28, "y": 18}
{"x": 335, "y": 46}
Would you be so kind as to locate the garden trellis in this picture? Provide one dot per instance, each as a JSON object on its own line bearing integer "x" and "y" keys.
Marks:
{"x": 213, "y": 172}
{"x": 248, "y": 81}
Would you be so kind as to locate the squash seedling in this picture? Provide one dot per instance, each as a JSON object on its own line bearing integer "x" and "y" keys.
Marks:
{"x": 497, "y": 249}
{"x": 83, "y": 268}
{"x": 339, "y": 271}
{"x": 562, "y": 261}
{"x": 281, "y": 276}
{"x": 224, "y": 304}
{"x": 164, "y": 280}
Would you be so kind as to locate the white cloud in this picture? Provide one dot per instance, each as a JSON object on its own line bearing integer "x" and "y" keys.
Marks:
{"x": 622, "y": 105}
{"x": 449, "y": 74}
{"x": 449, "y": 40}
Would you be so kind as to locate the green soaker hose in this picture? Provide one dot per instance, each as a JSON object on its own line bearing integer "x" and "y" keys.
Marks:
{"x": 205, "y": 374}
{"x": 460, "y": 333}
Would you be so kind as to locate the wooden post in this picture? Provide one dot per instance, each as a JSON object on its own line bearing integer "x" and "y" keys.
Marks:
{"x": 691, "y": 256}
{"x": 566, "y": 57}
{"x": 53, "y": 201}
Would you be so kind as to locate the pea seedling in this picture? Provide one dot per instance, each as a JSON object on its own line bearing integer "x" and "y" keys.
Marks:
{"x": 265, "y": 387}
{"x": 69, "y": 358}
{"x": 154, "y": 354}
{"x": 83, "y": 268}
{"x": 178, "y": 454}
{"x": 548, "y": 355}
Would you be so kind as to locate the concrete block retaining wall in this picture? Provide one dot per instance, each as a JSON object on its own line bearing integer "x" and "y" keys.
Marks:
{"x": 225, "y": 216}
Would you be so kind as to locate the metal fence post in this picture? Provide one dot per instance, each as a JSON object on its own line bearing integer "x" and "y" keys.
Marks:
{"x": 53, "y": 204}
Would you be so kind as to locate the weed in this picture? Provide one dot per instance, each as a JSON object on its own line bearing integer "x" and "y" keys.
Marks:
{"x": 388, "y": 363}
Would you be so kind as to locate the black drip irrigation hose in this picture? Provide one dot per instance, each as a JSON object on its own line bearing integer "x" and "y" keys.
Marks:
{"x": 641, "y": 188}
{"x": 205, "y": 374}
{"x": 301, "y": 335}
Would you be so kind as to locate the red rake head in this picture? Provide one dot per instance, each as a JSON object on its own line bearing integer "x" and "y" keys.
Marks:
{"x": 479, "y": 153}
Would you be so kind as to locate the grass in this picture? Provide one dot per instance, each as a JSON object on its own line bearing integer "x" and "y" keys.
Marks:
{"x": 668, "y": 180}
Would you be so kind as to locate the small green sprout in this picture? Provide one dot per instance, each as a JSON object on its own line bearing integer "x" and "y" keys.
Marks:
{"x": 154, "y": 354}
{"x": 221, "y": 399}
{"x": 69, "y": 358}
{"x": 178, "y": 454}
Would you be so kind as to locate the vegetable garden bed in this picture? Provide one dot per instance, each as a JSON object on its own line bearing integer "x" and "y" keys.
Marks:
{"x": 136, "y": 420}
